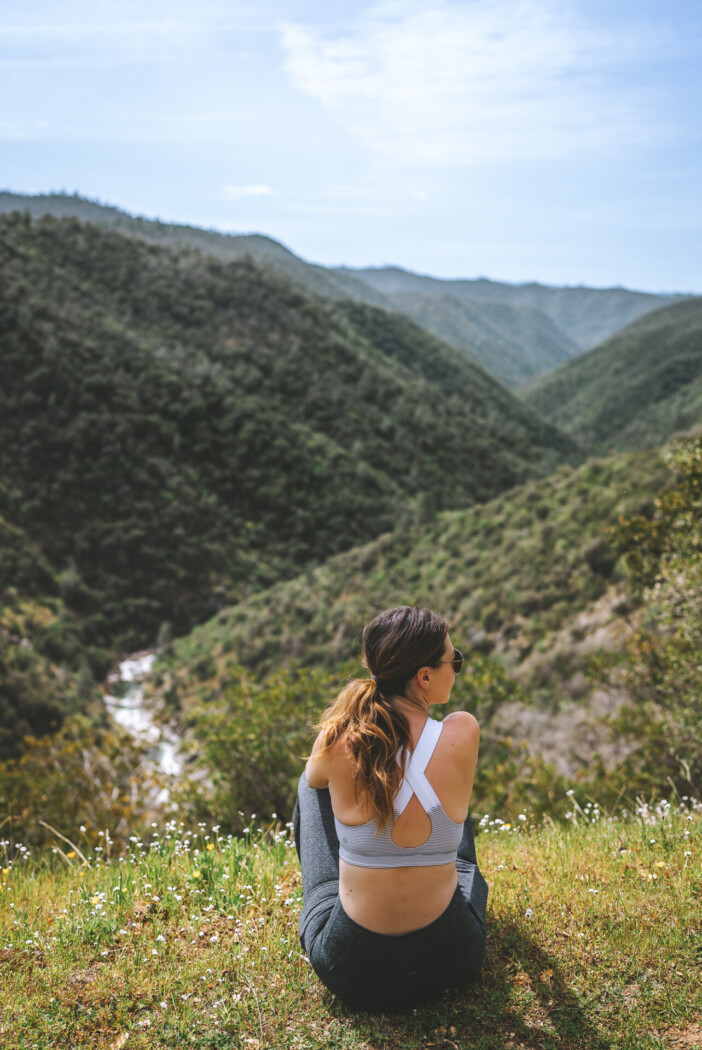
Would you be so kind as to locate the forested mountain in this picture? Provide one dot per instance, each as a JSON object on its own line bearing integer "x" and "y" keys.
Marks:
{"x": 636, "y": 389}
{"x": 586, "y": 315}
{"x": 264, "y": 250}
{"x": 512, "y": 343}
{"x": 45, "y": 671}
{"x": 513, "y": 331}
{"x": 178, "y": 430}
{"x": 537, "y": 595}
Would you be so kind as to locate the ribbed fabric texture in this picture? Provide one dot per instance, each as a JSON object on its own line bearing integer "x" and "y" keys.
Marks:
{"x": 364, "y": 846}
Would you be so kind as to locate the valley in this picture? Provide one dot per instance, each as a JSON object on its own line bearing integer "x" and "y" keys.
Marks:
{"x": 206, "y": 456}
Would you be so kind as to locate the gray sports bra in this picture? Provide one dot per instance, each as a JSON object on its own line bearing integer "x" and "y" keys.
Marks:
{"x": 364, "y": 846}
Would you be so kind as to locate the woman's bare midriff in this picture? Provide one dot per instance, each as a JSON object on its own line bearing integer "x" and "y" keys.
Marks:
{"x": 396, "y": 900}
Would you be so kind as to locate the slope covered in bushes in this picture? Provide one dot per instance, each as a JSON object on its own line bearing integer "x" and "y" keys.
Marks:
{"x": 45, "y": 669}
{"x": 633, "y": 391}
{"x": 513, "y": 331}
{"x": 514, "y": 568}
{"x": 536, "y": 593}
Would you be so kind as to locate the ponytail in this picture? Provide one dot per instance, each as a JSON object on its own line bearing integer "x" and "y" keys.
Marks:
{"x": 376, "y": 733}
{"x": 395, "y": 645}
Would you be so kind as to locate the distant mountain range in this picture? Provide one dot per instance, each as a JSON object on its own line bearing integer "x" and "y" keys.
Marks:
{"x": 634, "y": 390}
{"x": 513, "y": 331}
{"x": 586, "y": 315}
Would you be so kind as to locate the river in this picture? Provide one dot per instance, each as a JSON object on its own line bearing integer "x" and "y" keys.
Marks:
{"x": 128, "y": 709}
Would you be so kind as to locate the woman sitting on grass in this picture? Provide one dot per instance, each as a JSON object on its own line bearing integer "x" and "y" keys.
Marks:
{"x": 394, "y": 903}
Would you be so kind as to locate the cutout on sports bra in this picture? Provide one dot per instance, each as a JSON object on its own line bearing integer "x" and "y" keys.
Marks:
{"x": 410, "y": 837}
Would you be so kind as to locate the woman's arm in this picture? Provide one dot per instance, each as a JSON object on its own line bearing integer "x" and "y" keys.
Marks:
{"x": 465, "y": 740}
{"x": 316, "y": 769}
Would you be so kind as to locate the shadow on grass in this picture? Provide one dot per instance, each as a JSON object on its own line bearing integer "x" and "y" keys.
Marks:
{"x": 520, "y": 1000}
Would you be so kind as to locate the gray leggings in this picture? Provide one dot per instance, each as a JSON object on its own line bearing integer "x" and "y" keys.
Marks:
{"x": 378, "y": 971}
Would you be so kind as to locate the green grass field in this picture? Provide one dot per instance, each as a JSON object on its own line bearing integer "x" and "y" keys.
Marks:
{"x": 190, "y": 940}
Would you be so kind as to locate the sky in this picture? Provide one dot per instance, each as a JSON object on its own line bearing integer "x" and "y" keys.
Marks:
{"x": 519, "y": 140}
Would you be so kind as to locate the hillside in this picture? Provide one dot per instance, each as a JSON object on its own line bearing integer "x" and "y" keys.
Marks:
{"x": 534, "y": 592}
{"x": 512, "y": 343}
{"x": 510, "y": 571}
{"x": 45, "y": 672}
{"x": 491, "y": 334}
{"x": 586, "y": 315}
{"x": 634, "y": 390}
{"x": 181, "y": 430}
{"x": 316, "y": 280}
{"x": 513, "y": 331}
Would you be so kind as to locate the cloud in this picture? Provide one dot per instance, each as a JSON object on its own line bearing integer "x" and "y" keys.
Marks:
{"x": 235, "y": 193}
{"x": 459, "y": 82}
{"x": 87, "y": 35}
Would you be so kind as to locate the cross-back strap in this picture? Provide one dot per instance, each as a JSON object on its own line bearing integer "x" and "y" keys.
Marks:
{"x": 415, "y": 782}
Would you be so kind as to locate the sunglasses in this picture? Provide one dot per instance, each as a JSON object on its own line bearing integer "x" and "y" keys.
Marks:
{"x": 456, "y": 662}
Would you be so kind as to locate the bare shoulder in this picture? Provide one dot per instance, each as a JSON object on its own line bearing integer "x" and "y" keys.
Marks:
{"x": 316, "y": 770}
{"x": 462, "y": 724}
{"x": 323, "y": 760}
{"x": 461, "y": 733}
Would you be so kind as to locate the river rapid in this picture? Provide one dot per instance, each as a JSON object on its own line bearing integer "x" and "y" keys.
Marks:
{"x": 127, "y": 707}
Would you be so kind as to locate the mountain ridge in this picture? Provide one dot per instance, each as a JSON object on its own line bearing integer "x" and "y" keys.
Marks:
{"x": 554, "y": 332}
{"x": 569, "y": 306}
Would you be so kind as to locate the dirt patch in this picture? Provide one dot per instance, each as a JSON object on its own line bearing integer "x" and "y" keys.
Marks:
{"x": 684, "y": 1038}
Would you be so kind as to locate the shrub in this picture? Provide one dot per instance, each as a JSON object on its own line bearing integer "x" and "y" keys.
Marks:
{"x": 78, "y": 775}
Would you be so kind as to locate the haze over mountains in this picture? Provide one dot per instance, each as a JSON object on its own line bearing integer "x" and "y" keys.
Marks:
{"x": 513, "y": 331}
{"x": 586, "y": 315}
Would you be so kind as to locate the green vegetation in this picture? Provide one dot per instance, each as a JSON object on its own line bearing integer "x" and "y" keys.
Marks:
{"x": 585, "y": 315}
{"x": 190, "y": 940}
{"x": 513, "y": 577}
{"x": 84, "y": 773}
{"x": 45, "y": 670}
{"x": 509, "y": 571}
{"x": 316, "y": 280}
{"x": 512, "y": 343}
{"x": 633, "y": 391}
{"x": 176, "y": 431}
{"x": 513, "y": 331}
{"x": 664, "y": 674}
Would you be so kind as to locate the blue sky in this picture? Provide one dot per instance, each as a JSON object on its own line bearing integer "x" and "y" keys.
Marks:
{"x": 519, "y": 139}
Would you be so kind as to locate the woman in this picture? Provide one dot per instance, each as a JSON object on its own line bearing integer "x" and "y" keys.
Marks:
{"x": 394, "y": 903}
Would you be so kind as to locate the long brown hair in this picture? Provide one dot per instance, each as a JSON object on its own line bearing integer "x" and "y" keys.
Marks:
{"x": 395, "y": 645}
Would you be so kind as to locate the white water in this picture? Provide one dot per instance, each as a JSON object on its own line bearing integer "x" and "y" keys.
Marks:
{"x": 131, "y": 712}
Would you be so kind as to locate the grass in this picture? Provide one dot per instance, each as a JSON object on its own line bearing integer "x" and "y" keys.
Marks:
{"x": 190, "y": 940}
